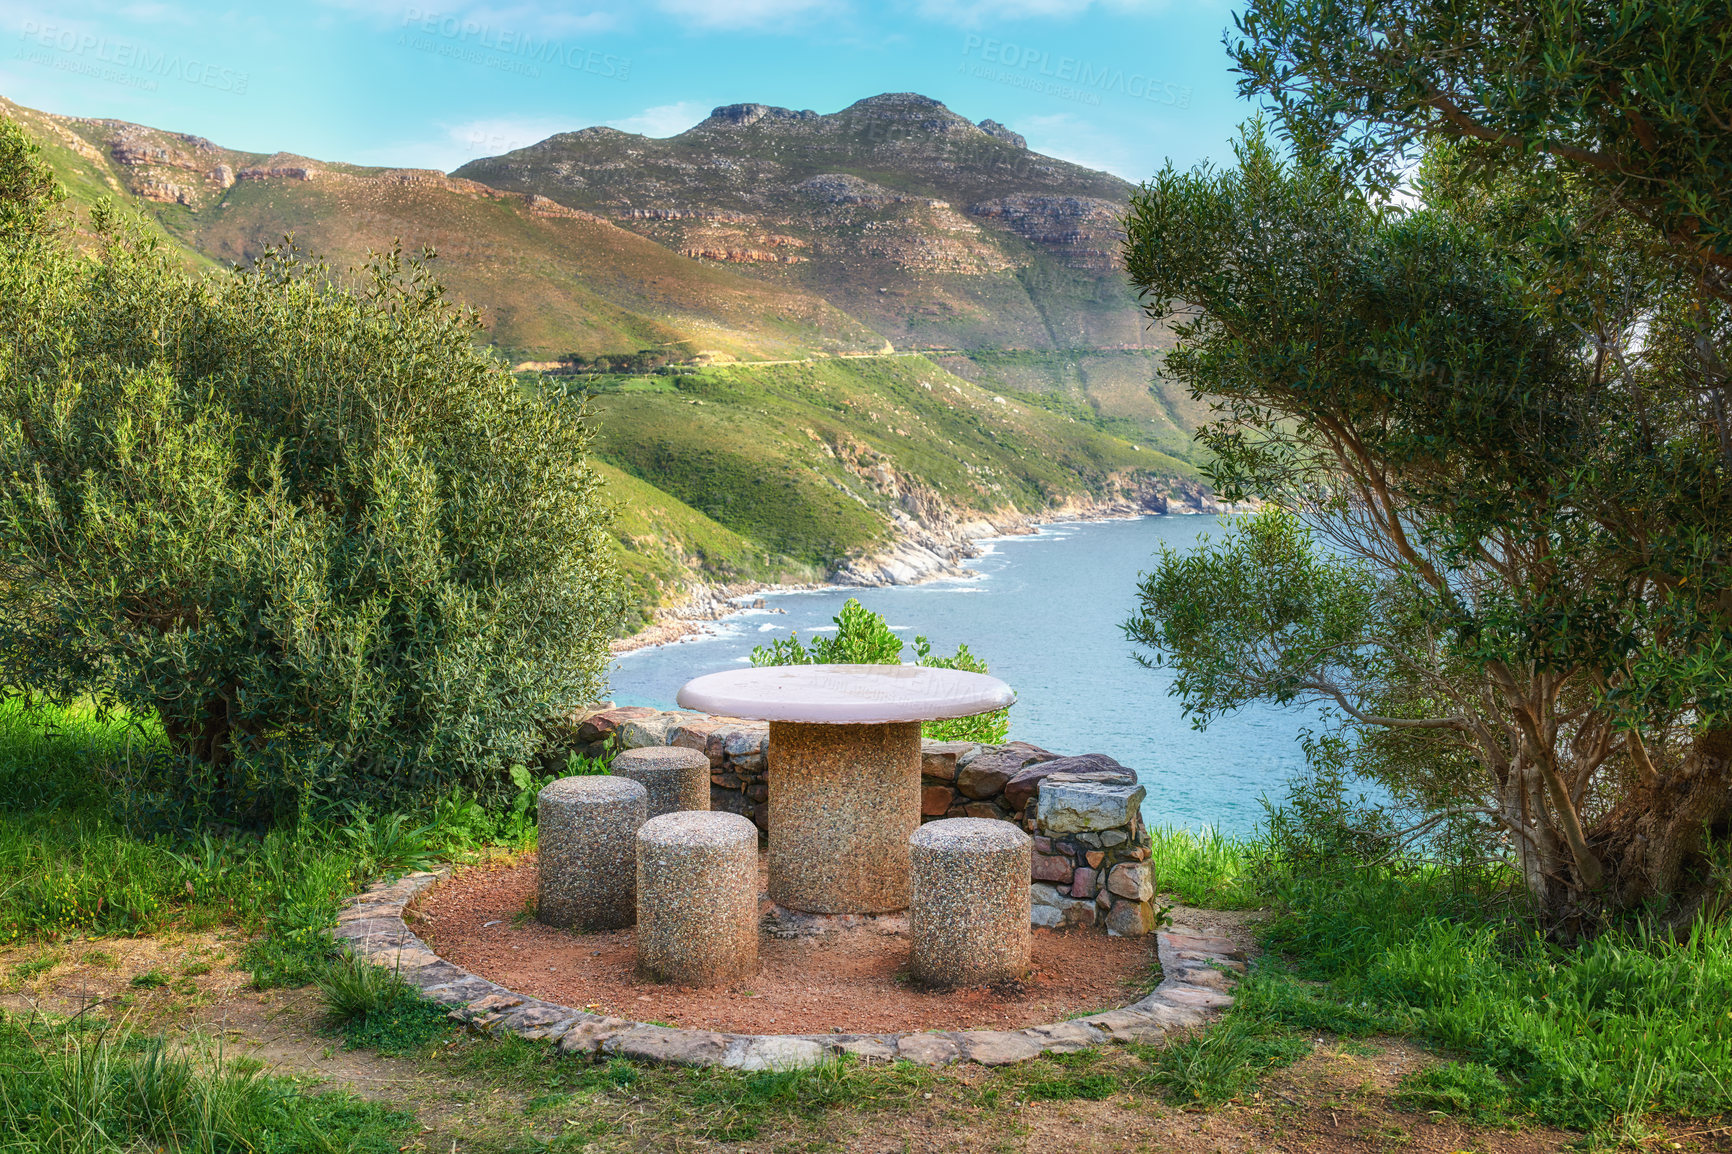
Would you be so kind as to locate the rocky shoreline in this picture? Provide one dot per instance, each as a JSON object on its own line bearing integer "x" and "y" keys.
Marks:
{"x": 922, "y": 552}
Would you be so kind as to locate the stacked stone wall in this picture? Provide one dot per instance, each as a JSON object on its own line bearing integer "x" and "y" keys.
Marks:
{"x": 1091, "y": 849}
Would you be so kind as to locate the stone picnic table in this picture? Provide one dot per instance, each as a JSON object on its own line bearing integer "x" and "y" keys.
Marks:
{"x": 844, "y": 769}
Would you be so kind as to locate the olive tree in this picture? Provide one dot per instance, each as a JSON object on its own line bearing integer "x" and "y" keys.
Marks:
{"x": 1506, "y": 570}
{"x": 333, "y": 546}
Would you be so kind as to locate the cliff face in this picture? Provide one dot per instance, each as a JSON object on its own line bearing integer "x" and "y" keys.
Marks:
{"x": 934, "y": 230}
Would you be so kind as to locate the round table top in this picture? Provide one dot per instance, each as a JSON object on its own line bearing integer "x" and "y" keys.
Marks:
{"x": 845, "y": 694}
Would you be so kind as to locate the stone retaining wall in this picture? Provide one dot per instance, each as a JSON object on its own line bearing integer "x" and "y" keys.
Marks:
{"x": 1091, "y": 850}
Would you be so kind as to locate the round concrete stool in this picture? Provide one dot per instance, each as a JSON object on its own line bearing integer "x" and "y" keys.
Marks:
{"x": 968, "y": 909}
{"x": 697, "y": 898}
{"x": 677, "y": 778}
{"x": 588, "y": 842}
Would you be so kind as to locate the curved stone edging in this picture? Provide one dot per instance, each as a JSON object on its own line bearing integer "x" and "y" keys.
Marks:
{"x": 1197, "y": 973}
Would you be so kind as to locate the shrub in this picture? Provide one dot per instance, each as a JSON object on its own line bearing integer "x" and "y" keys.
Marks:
{"x": 332, "y": 545}
{"x": 863, "y": 638}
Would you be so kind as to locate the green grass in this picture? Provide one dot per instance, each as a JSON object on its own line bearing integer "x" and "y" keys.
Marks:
{"x": 375, "y": 1009}
{"x": 1207, "y": 869}
{"x": 788, "y": 456}
{"x": 716, "y": 1104}
{"x": 65, "y": 1090}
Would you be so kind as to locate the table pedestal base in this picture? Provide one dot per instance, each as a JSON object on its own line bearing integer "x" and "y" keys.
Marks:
{"x": 844, "y": 799}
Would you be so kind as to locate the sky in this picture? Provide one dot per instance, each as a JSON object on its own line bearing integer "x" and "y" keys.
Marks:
{"x": 1120, "y": 85}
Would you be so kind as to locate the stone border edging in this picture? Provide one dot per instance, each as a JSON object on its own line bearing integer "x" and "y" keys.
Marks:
{"x": 1196, "y": 975}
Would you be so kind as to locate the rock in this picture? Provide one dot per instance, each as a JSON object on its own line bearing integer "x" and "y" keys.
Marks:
{"x": 642, "y": 731}
{"x": 1081, "y": 914}
{"x": 748, "y": 762}
{"x": 587, "y": 1036}
{"x": 707, "y": 736}
{"x": 774, "y": 1052}
{"x": 1111, "y": 837}
{"x": 746, "y": 739}
{"x": 1044, "y": 845}
{"x": 1083, "y": 884}
{"x": 601, "y": 726}
{"x": 1064, "y": 1037}
{"x": 1138, "y": 853}
{"x": 1053, "y": 868}
{"x": 1128, "y": 919}
{"x": 661, "y": 1044}
{"x": 998, "y": 1048}
{"x": 1088, "y": 767}
{"x": 984, "y": 809}
{"x": 986, "y": 774}
{"x": 927, "y": 1049}
{"x": 759, "y": 790}
{"x": 935, "y": 800}
{"x": 1095, "y": 858}
{"x": 1077, "y": 806}
{"x": 869, "y": 1048}
{"x": 938, "y": 758}
{"x": 1128, "y": 1026}
{"x": 1131, "y": 880}
{"x": 994, "y": 128}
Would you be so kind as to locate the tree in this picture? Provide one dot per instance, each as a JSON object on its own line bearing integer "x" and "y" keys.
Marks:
{"x": 1501, "y": 448}
{"x": 865, "y": 638}
{"x": 329, "y": 543}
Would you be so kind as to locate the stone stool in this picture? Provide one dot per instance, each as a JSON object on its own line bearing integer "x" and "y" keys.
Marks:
{"x": 588, "y": 842}
{"x": 968, "y": 910}
{"x": 677, "y": 778}
{"x": 697, "y": 898}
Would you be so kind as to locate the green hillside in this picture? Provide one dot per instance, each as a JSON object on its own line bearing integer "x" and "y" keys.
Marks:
{"x": 664, "y": 543}
{"x": 813, "y": 461}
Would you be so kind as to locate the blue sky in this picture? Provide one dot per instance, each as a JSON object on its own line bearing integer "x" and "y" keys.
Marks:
{"x": 1121, "y": 85}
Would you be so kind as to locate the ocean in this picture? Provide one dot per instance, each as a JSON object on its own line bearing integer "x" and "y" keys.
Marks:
{"x": 1046, "y": 612}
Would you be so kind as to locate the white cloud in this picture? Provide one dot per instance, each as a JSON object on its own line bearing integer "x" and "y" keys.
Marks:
{"x": 754, "y": 15}
{"x": 663, "y": 119}
{"x": 458, "y": 144}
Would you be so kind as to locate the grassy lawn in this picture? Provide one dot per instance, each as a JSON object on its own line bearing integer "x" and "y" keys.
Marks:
{"x": 180, "y": 993}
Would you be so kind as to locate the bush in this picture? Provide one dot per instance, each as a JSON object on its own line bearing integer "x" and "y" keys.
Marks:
{"x": 863, "y": 638}
{"x": 332, "y": 545}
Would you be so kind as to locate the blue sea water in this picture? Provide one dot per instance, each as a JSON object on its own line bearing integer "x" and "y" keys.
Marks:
{"x": 1046, "y": 613}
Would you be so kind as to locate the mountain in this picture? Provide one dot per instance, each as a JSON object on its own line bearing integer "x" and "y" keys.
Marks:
{"x": 899, "y": 329}
{"x": 936, "y": 232}
{"x": 548, "y": 279}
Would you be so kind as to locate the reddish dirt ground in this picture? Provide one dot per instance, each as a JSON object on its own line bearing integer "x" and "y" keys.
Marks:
{"x": 851, "y": 978}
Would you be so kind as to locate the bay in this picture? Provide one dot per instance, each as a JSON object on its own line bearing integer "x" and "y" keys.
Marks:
{"x": 1045, "y": 611}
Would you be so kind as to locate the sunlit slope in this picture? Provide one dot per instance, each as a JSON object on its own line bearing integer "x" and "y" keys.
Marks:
{"x": 665, "y": 544}
{"x": 547, "y": 279}
{"x": 936, "y": 231}
{"x": 818, "y": 461}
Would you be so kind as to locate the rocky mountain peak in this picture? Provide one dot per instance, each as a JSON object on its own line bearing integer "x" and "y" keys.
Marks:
{"x": 994, "y": 128}
{"x": 742, "y": 115}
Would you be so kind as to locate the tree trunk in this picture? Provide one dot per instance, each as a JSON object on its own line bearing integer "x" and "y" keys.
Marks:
{"x": 1654, "y": 843}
